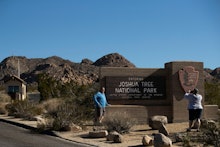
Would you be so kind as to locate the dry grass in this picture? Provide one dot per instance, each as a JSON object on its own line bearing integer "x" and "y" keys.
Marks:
{"x": 51, "y": 105}
{"x": 4, "y": 97}
{"x": 4, "y": 100}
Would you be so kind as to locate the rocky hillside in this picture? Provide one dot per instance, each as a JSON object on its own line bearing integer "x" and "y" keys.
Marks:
{"x": 212, "y": 75}
{"x": 63, "y": 70}
{"x": 115, "y": 60}
{"x": 66, "y": 71}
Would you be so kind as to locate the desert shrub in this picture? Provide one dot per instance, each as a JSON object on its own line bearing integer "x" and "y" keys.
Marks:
{"x": 61, "y": 114}
{"x": 65, "y": 116}
{"x": 120, "y": 122}
{"x": 50, "y": 109}
{"x": 4, "y": 97}
{"x": 211, "y": 134}
{"x": 212, "y": 93}
{"x": 74, "y": 106}
{"x": 23, "y": 109}
{"x": 4, "y": 100}
{"x": 2, "y": 108}
{"x": 44, "y": 124}
{"x": 83, "y": 108}
{"x": 186, "y": 140}
{"x": 68, "y": 113}
{"x": 50, "y": 106}
{"x": 58, "y": 118}
{"x": 82, "y": 102}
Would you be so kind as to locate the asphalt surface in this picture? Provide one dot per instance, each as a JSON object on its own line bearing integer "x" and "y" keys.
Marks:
{"x": 17, "y": 133}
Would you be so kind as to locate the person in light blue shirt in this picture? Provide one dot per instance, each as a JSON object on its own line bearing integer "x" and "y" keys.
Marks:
{"x": 100, "y": 104}
{"x": 195, "y": 107}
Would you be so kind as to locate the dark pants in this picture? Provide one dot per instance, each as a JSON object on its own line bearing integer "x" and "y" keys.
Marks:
{"x": 195, "y": 114}
{"x": 99, "y": 112}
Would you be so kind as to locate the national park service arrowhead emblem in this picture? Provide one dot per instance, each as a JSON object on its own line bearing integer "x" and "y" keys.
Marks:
{"x": 188, "y": 78}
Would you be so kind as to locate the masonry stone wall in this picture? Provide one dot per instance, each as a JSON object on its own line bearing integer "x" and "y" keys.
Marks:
{"x": 176, "y": 92}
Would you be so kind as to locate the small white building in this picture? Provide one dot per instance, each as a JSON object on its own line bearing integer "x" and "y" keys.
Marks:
{"x": 16, "y": 87}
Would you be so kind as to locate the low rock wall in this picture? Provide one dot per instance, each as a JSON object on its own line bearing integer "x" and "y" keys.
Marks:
{"x": 140, "y": 113}
{"x": 143, "y": 113}
{"x": 211, "y": 112}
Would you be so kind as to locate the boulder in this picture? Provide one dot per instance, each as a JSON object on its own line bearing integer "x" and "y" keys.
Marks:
{"x": 111, "y": 135}
{"x": 42, "y": 121}
{"x": 160, "y": 140}
{"x": 155, "y": 122}
{"x": 98, "y": 134}
{"x": 118, "y": 138}
{"x": 209, "y": 124}
{"x": 212, "y": 124}
{"x": 75, "y": 128}
{"x": 115, "y": 137}
{"x": 147, "y": 141}
{"x": 163, "y": 130}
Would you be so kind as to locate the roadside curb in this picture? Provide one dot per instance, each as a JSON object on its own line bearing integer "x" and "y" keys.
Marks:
{"x": 29, "y": 127}
{"x": 17, "y": 124}
{"x": 33, "y": 128}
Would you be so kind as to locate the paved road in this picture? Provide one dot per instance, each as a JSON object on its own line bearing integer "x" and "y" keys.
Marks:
{"x": 14, "y": 136}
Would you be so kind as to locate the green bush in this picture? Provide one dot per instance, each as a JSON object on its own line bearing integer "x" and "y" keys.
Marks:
{"x": 48, "y": 86}
{"x": 120, "y": 122}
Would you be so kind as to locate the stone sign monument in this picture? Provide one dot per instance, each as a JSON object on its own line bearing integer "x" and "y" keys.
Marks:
{"x": 145, "y": 92}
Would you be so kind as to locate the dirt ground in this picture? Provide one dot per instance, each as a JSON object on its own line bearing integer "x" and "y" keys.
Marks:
{"x": 132, "y": 139}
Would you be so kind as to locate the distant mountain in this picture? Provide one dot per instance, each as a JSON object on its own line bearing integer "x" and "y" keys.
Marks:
{"x": 212, "y": 75}
{"x": 66, "y": 71}
{"x": 113, "y": 60}
{"x": 216, "y": 73}
{"x": 63, "y": 70}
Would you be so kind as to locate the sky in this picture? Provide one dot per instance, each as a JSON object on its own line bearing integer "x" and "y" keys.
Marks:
{"x": 149, "y": 33}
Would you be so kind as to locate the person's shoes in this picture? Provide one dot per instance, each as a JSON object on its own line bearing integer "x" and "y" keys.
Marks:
{"x": 188, "y": 130}
{"x": 197, "y": 130}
